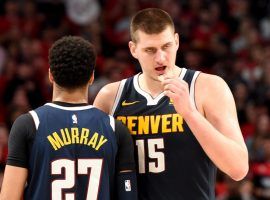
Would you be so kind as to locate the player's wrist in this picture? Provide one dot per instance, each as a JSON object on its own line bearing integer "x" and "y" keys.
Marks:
{"x": 191, "y": 115}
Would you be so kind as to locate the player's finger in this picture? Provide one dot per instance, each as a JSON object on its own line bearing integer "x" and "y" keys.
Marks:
{"x": 172, "y": 87}
{"x": 176, "y": 82}
{"x": 170, "y": 94}
{"x": 161, "y": 78}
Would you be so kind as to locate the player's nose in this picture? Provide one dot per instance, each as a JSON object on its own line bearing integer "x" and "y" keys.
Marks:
{"x": 160, "y": 56}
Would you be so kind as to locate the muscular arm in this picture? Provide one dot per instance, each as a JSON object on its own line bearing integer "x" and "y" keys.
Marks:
{"x": 16, "y": 172}
{"x": 215, "y": 125}
{"x": 106, "y": 97}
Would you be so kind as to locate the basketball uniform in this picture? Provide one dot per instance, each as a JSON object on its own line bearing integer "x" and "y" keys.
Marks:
{"x": 71, "y": 154}
{"x": 171, "y": 163}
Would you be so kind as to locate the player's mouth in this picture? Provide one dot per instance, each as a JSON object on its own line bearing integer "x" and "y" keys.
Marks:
{"x": 161, "y": 69}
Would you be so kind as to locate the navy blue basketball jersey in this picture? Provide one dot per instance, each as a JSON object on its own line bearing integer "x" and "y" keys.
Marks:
{"x": 76, "y": 149}
{"x": 171, "y": 163}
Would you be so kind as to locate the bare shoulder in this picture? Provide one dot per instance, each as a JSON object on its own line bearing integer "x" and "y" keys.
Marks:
{"x": 106, "y": 96}
{"x": 211, "y": 90}
{"x": 211, "y": 80}
{"x": 109, "y": 89}
{"x": 208, "y": 83}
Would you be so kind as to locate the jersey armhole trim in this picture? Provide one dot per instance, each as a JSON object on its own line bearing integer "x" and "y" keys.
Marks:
{"x": 118, "y": 95}
{"x": 182, "y": 73}
{"x": 192, "y": 87}
{"x": 112, "y": 122}
{"x": 35, "y": 118}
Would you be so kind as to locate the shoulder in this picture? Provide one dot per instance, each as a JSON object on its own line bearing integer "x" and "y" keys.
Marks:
{"x": 24, "y": 120}
{"x": 210, "y": 88}
{"x": 210, "y": 81}
{"x": 23, "y": 125}
{"x": 106, "y": 96}
{"x": 110, "y": 88}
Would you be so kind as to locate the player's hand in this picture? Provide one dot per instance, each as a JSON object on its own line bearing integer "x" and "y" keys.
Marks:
{"x": 177, "y": 90}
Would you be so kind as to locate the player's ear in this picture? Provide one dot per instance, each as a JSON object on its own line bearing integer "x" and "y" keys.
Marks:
{"x": 91, "y": 80}
{"x": 132, "y": 48}
{"x": 176, "y": 38}
{"x": 51, "y": 79}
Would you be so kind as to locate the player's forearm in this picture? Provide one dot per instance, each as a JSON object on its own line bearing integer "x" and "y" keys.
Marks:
{"x": 229, "y": 156}
{"x": 13, "y": 183}
{"x": 10, "y": 194}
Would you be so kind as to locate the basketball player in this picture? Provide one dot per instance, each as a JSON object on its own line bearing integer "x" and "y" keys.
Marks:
{"x": 68, "y": 149}
{"x": 183, "y": 122}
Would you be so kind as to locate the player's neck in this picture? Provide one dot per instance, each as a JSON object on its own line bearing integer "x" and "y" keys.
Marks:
{"x": 151, "y": 86}
{"x": 70, "y": 96}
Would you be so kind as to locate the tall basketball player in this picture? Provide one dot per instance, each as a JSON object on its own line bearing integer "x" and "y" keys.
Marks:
{"x": 68, "y": 149}
{"x": 183, "y": 122}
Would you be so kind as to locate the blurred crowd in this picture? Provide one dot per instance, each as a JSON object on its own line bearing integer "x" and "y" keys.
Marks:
{"x": 229, "y": 38}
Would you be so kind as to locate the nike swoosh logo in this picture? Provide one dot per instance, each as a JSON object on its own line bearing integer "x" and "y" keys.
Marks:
{"x": 124, "y": 103}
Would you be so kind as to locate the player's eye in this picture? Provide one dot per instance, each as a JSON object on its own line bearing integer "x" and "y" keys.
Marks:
{"x": 166, "y": 46}
{"x": 150, "y": 50}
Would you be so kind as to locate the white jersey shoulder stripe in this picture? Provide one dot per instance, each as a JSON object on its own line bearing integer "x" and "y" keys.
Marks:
{"x": 35, "y": 118}
{"x": 183, "y": 73}
{"x": 118, "y": 95}
{"x": 192, "y": 87}
{"x": 112, "y": 122}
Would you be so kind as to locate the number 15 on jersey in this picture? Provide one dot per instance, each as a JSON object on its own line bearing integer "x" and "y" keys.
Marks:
{"x": 155, "y": 160}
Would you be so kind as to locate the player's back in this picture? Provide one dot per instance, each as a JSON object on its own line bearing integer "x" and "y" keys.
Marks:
{"x": 171, "y": 163}
{"x": 72, "y": 154}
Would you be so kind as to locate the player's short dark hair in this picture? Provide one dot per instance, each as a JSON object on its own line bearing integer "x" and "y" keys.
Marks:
{"x": 150, "y": 21}
{"x": 72, "y": 61}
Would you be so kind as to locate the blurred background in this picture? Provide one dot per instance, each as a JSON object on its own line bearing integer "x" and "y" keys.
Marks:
{"x": 229, "y": 38}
